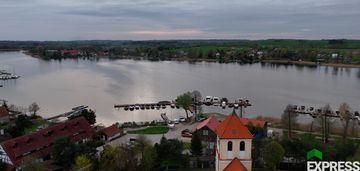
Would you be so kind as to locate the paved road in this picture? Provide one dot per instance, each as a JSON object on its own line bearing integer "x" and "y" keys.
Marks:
{"x": 174, "y": 133}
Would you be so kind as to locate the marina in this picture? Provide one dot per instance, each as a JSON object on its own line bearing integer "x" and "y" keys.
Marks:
{"x": 101, "y": 84}
{"x": 4, "y": 75}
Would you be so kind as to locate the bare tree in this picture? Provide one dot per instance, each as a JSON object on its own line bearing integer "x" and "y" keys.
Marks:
{"x": 325, "y": 122}
{"x": 345, "y": 116}
{"x": 289, "y": 118}
{"x": 33, "y": 108}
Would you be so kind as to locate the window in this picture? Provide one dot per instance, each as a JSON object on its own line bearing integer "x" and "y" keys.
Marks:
{"x": 242, "y": 146}
{"x": 205, "y": 132}
{"x": 229, "y": 146}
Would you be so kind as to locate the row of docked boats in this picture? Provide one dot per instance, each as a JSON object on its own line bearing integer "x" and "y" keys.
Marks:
{"x": 160, "y": 105}
{"x": 4, "y": 75}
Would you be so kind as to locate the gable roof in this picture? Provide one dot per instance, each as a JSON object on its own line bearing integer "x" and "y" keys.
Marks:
{"x": 232, "y": 127}
{"x": 39, "y": 144}
{"x": 210, "y": 122}
{"x": 111, "y": 130}
{"x": 254, "y": 122}
{"x": 3, "y": 111}
{"x": 235, "y": 165}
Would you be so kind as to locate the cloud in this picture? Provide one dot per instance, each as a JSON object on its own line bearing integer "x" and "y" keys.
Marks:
{"x": 164, "y": 19}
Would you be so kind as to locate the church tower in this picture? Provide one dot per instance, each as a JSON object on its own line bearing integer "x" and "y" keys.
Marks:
{"x": 233, "y": 149}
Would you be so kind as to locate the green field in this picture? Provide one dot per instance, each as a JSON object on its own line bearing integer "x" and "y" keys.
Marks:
{"x": 151, "y": 130}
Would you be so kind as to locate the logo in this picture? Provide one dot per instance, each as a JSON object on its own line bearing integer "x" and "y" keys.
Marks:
{"x": 329, "y": 165}
{"x": 314, "y": 153}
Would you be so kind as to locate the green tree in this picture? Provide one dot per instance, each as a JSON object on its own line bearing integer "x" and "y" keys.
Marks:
{"x": 89, "y": 115}
{"x": 185, "y": 102}
{"x": 148, "y": 160}
{"x": 356, "y": 156}
{"x": 196, "y": 146}
{"x": 82, "y": 163}
{"x": 273, "y": 154}
{"x": 169, "y": 152}
{"x": 64, "y": 152}
{"x": 21, "y": 122}
{"x": 141, "y": 144}
{"x": 108, "y": 158}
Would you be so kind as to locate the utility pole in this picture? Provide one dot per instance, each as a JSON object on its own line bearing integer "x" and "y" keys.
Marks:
{"x": 289, "y": 117}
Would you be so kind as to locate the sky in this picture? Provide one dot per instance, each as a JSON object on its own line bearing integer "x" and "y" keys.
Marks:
{"x": 181, "y": 19}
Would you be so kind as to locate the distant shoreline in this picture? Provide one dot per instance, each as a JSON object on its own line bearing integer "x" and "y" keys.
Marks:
{"x": 272, "y": 61}
{"x": 311, "y": 64}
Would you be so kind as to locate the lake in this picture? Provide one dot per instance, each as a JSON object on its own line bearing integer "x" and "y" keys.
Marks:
{"x": 57, "y": 86}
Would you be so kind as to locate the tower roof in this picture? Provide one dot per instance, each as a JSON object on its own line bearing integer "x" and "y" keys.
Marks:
{"x": 232, "y": 127}
{"x": 235, "y": 165}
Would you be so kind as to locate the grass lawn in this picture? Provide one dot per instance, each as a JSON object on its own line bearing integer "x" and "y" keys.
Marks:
{"x": 151, "y": 130}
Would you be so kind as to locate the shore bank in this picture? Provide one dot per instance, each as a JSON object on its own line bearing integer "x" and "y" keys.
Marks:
{"x": 309, "y": 63}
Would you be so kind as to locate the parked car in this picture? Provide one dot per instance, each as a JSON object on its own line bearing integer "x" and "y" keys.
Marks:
{"x": 186, "y": 133}
{"x": 223, "y": 104}
{"x": 216, "y": 101}
{"x": 171, "y": 125}
{"x": 132, "y": 139}
{"x": 176, "y": 121}
{"x": 182, "y": 119}
{"x": 208, "y": 100}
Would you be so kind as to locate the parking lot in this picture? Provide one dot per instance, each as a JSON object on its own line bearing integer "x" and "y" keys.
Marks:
{"x": 174, "y": 133}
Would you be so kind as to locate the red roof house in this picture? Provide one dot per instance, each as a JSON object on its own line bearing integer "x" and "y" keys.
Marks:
{"x": 206, "y": 131}
{"x": 39, "y": 144}
{"x": 4, "y": 114}
{"x": 254, "y": 122}
{"x": 210, "y": 122}
{"x": 111, "y": 132}
{"x": 71, "y": 52}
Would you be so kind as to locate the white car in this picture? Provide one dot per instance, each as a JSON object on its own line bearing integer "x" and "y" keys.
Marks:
{"x": 208, "y": 99}
{"x": 216, "y": 101}
{"x": 171, "y": 125}
{"x": 176, "y": 121}
{"x": 223, "y": 104}
{"x": 182, "y": 119}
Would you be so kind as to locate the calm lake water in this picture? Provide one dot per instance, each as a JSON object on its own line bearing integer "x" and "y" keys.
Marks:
{"x": 57, "y": 86}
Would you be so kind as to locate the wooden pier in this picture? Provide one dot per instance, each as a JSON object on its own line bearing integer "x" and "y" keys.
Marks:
{"x": 164, "y": 104}
{"x": 74, "y": 111}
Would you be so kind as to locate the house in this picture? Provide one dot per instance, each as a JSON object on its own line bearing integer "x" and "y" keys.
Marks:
{"x": 4, "y": 114}
{"x": 110, "y": 133}
{"x": 70, "y": 52}
{"x": 234, "y": 143}
{"x": 39, "y": 144}
{"x": 207, "y": 134}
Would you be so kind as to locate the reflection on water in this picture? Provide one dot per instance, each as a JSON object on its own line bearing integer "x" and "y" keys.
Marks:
{"x": 58, "y": 86}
